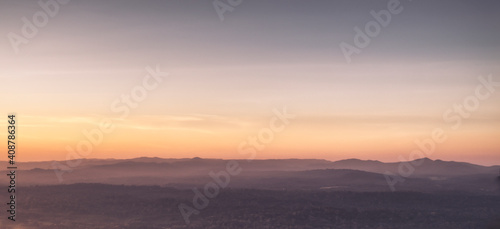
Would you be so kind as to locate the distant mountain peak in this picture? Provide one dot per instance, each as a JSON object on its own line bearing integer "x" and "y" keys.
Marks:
{"x": 356, "y": 160}
{"x": 424, "y": 159}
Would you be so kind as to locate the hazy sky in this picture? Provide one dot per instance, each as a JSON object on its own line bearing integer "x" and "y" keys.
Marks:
{"x": 226, "y": 77}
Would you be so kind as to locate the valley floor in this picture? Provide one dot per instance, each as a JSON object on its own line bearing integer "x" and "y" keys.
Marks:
{"x": 117, "y": 206}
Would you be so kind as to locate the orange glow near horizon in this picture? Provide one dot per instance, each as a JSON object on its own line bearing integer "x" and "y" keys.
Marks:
{"x": 48, "y": 138}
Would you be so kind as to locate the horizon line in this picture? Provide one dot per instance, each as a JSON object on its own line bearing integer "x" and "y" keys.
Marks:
{"x": 226, "y": 159}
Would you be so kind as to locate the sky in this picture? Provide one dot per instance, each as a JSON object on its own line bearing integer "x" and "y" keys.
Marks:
{"x": 225, "y": 78}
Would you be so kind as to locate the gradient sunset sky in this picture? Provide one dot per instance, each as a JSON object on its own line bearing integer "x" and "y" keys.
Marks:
{"x": 226, "y": 77}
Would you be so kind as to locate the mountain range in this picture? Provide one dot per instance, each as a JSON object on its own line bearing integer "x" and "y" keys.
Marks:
{"x": 350, "y": 174}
